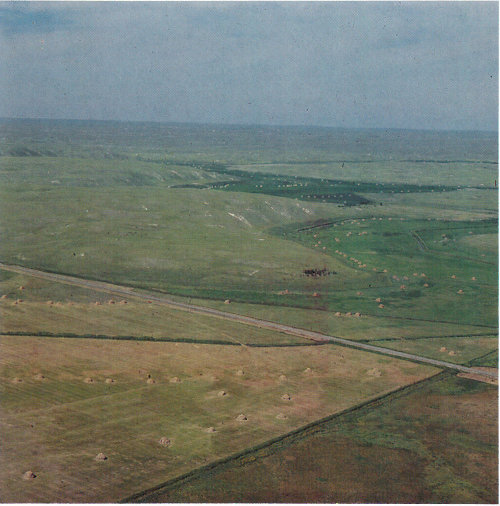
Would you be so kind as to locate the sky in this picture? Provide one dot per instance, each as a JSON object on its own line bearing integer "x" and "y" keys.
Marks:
{"x": 417, "y": 65}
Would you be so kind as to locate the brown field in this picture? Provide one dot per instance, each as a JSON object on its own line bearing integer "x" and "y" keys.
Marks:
{"x": 58, "y": 411}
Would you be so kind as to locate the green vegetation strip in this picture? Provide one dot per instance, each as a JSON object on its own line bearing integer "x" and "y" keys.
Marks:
{"x": 268, "y": 447}
{"x": 71, "y": 335}
{"x": 415, "y": 338}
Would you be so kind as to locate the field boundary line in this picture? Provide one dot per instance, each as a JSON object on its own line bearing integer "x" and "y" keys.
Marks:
{"x": 307, "y": 334}
{"x": 287, "y": 438}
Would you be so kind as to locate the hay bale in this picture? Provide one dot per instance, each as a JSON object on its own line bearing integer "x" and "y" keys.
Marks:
{"x": 286, "y": 397}
{"x": 100, "y": 457}
{"x": 21, "y": 288}
{"x": 281, "y": 416}
{"x": 348, "y": 313}
{"x": 241, "y": 418}
{"x": 88, "y": 380}
{"x": 460, "y": 291}
{"x": 111, "y": 301}
{"x": 426, "y": 285}
{"x": 451, "y": 353}
{"x": 222, "y": 393}
{"x": 227, "y": 301}
{"x": 473, "y": 278}
{"x": 123, "y": 302}
{"x": 357, "y": 315}
{"x": 39, "y": 377}
{"x": 374, "y": 372}
{"x": 442, "y": 349}
{"x": 307, "y": 370}
{"x": 210, "y": 430}
{"x": 385, "y": 270}
{"x": 359, "y": 293}
{"x": 150, "y": 381}
{"x": 405, "y": 278}
{"x": 109, "y": 380}
{"x": 164, "y": 441}
{"x": 282, "y": 377}
{"x": 378, "y": 299}
{"x": 3, "y": 297}
{"x": 316, "y": 294}
{"x": 423, "y": 275}
{"x": 97, "y": 303}
{"x": 175, "y": 379}
{"x": 29, "y": 475}
{"x": 402, "y": 287}
{"x": 453, "y": 276}
{"x": 16, "y": 380}
{"x": 240, "y": 373}
{"x": 338, "y": 313}
{"x": 381, "y": 306}
{"x": 415, "y": 274}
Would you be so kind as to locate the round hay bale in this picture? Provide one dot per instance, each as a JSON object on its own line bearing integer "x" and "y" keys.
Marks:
{"x": 164, "y": 441}
{"x": 405, "y": 278}
{"x": 374, "y": 372}
{"x": 286, "y": 397}
{"x": 415, "y": 274}
{"x": 4, "y": 296}
{"x": 423, "y": 275}
{"x": 378, "y": 299}
{"x": 109, "y": 380}
{"x": 281, "y": 416}
{"x": 442, "y": 349}
{"x": 307, "y": 370}
{"x": 241, "y": 418}
{"x": 111, "y": 301}
{"x": 316, "y": 294}
{"x": 210, "y": 430}
{"x": 88, "y": 380}
{"x": 348, "y": 313}
{"x": 100, "y": 457}
{"x": 451, "y": 353}
{"x": 357, "y": 315}
{"x": 240, "y": 373}
{"x": 381, "y": 306}
{"x": 338, "y": 313}
{"x": 453, "y": 276}
{"x": 150, "y": 381}
{"x": 39, "y": 377}
{"x": 59, "y": 304}
{"x": 123, "y": 302}
{"x": 175, "y": 379}
{"x": 473, "y": 278}
{"x": 227, "y": 301}
{"x": 426, "y": 285}
{"x": 97, "y": 303}
{"x": 385, "y": 270}
{"x": 21, "y": 288}
{"x": 359, "y": 293}
{"x": 282, "y": 377}
{"x": 222, "y": 393}
{"x": 460, "y": 291}
{"x": 29, "y": 475}
{"x": 16, "y": 380}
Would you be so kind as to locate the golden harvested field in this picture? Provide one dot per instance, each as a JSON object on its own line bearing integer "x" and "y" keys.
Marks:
{"x": 59, "y": 412}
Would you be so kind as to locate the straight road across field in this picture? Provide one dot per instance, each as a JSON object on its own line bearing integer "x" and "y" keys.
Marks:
{"x": 307, "y": 334}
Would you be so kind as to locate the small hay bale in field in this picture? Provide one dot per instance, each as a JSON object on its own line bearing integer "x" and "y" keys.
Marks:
{"x": 88, "y": 380}
{"x": 394, "y": 276}
{"x": 59, "y": 304}
{"x": 175, "y": 379}
{"x": 415, "y": 274}
{"x": 150, "y": 381}
{"x": 402, "y": 287}
{"x": 97, "y": 303}
{"x": 378, "y": 299}
{"x": 316, "y": 294}
{"x": 473, "y": 278}
{"x": 426, "y": 285}
{"x": 227, "y": 301}
{"x": 451, "y": 353}
{"x": 307, "y": 370}
{"x": 111, "y": 301}
{"x": 423, "y": 275}
{"x": 39, "y": 377}
{"x": 71, "y": 303}
{"x": 240, "y": 372}
{"x": 210, "y": 430}
{"x": 338, "y": 313}
{"x": 348, "y": 313}
{"x": 405, "y": 278}
{"x": 16, "y": 380}
{"x": 164, "y": 441}
{"x": 359, "y": 293}
{"x": 460, "y": 291}
{"x": 381, "y": 306}
{"x": 357, "y": 315}
{"x": 282, "y": 377}
{"x": 109, "y": 380}
{"x": 286, "y": 397}
{"x": 29, "y": 475}
{"x": 241, "y": 418}
{"x": 221, "y": 393}
{"x": 21, "y": 288}
{"x": 123, "y": 302}
{"x": 100, "y": 457}
{"x": 442, "y": 349}
{"x": 281, "y": 416}
{"x": 3, "y": 297}
{"x": 374, "y": 372}
{"x": 385, "y": 270}
{"x": 453, "y": 276}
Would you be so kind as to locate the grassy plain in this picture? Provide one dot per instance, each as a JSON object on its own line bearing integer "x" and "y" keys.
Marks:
{"x": 296, "y": 225}
{"x": 56, "y": 426}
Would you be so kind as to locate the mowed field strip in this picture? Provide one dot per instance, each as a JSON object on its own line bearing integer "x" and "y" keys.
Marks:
{"x": 316, "y": 336}
{"x": 65, "y": 401}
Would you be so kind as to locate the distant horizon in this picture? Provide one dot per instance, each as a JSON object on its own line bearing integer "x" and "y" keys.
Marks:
{"x": 256, "y": 125}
